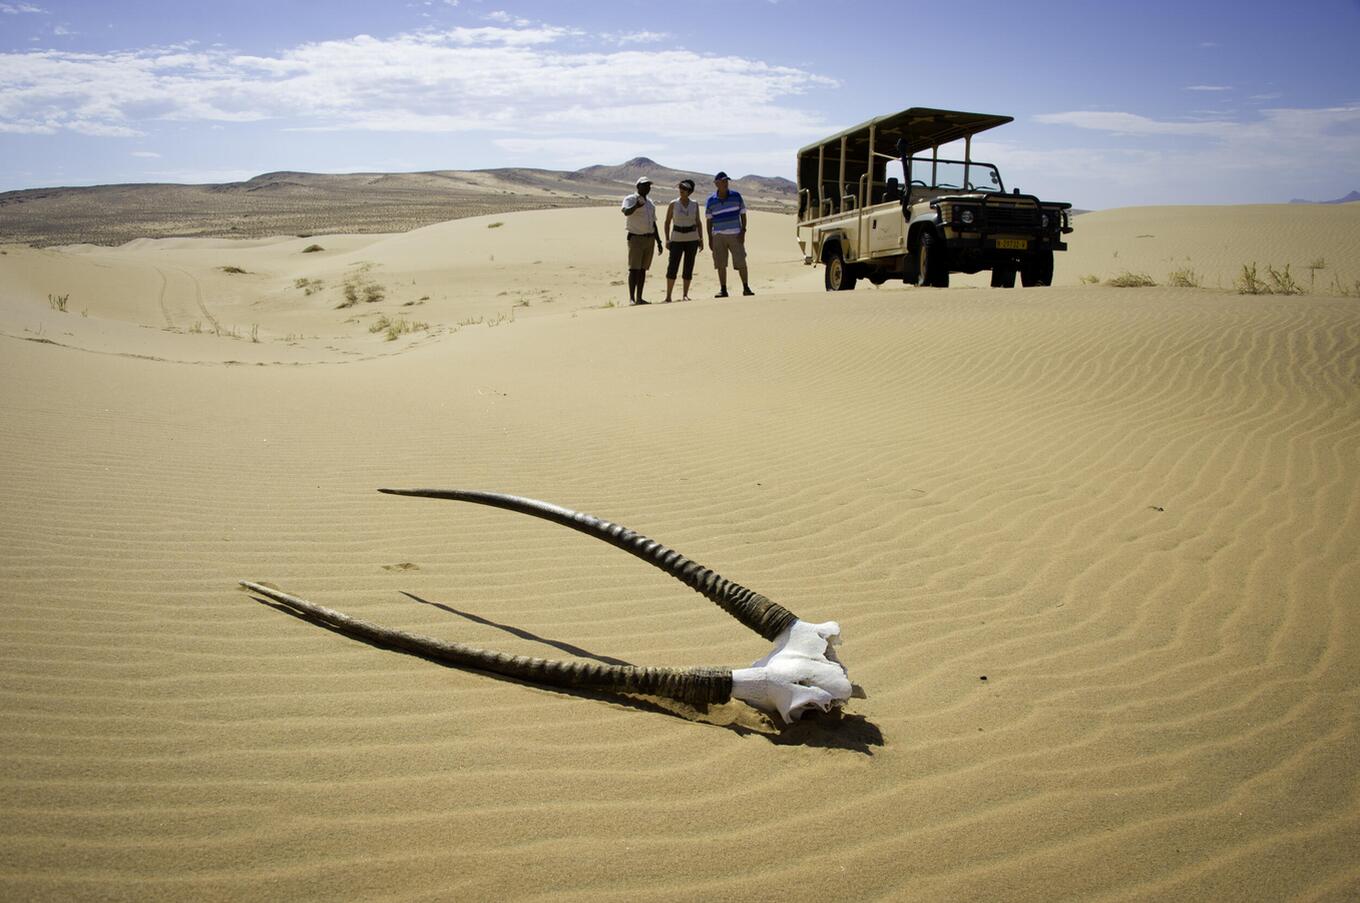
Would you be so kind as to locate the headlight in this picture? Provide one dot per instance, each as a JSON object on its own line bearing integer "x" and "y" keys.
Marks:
{"x": 966, "y": 217}
{"x": 1045, "y": 221}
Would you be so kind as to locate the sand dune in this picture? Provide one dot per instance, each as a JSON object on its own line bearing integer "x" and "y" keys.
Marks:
{"x": 1132, "y": 511}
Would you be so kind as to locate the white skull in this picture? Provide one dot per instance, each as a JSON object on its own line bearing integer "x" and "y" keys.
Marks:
{"x": 801, "y": 671}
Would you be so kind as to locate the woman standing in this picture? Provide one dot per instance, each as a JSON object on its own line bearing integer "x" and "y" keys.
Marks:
{"x": 684, "y": 237}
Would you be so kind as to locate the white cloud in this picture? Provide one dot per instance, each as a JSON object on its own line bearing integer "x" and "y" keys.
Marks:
{"x": 1208, "y": 88}
{"x": 1124, "y": 124}
{"x": 150, "y": 155}
{"x": 14, "y": 9}
{"x": 1280, "y": 153}
{"x": 528, "y": 78}
{"x": 633, "y": 37}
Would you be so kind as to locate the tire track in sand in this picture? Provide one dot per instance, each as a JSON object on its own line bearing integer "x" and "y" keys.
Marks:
{"x": 165, "y": 311}
{"x": 198, "y": 298}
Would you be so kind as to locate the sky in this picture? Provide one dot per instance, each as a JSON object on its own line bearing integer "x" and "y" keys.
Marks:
{"x": 1115, "y": 103}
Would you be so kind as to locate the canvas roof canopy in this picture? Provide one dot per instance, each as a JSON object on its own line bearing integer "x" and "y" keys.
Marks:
{"x": 921, "y": 128}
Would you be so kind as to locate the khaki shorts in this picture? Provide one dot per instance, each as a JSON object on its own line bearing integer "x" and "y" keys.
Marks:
{"x": 729, "y": 243}
{"x": 640, "y": 248}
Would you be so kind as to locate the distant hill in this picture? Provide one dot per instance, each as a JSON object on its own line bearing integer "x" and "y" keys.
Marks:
{"x": 754, "y": 189}
{"x": 1353, "y": 196}
{"x": 295, "y": 203}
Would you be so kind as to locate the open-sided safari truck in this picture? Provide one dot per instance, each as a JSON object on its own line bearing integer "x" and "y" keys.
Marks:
{"x": 872, "y": 205}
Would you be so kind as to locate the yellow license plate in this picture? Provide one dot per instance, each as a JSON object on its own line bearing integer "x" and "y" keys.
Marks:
{"x": 1012, "y": 244}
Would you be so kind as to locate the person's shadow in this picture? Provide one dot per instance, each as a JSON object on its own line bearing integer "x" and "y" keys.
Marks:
{"x": 832, "y": 730}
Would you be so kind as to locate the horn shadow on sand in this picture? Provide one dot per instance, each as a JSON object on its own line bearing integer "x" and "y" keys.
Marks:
{"x": 831, "y": 730}
{"x": 521, "y": 633}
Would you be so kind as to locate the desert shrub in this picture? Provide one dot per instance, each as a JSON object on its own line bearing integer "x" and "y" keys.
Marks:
{"x": 394, "y": 329}
{"x": 1319, "y": 263}
{"x": 350, "y": 295}
{"x": 1281, "y": 283}
{"x": 1127, "y": 279}
{"x": 255, "y": 333}
{"x": 1088, "y": 279}
{"x": 373, "y": 292}
{"x": 1186, "y": 278}
{"x": 309, "y": 286}
{"x": 234, "y": 271}
{"x": 1248, "y": 283}
{"x": 58, "y": 302}
{"x": 1276, "y": 281}
{"x": 495, "y": 225}
{"x": 312, "y": 249}
{"x": 1345, "y": 291}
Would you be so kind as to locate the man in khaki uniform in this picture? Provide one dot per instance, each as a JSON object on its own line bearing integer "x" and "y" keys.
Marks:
{"x": 640, "y": 213}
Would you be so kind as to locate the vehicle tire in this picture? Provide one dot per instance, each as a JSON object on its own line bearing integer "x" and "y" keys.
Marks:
{"x": 878, "y": 279}
{"x": 1003, "y": 276}
{"x": 933, "y": 268}
{"x": 1037, "y": 269}
{"x": 839, "y": 276}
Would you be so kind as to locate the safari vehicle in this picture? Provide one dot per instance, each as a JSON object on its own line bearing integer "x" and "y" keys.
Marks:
{"x": 872, "y": 205}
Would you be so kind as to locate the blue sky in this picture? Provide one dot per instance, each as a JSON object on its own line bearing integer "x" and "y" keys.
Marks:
{"x": 1115, "y": 104}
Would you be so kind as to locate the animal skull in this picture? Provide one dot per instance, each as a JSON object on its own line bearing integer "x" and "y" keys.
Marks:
{"x": 800, "y": 672}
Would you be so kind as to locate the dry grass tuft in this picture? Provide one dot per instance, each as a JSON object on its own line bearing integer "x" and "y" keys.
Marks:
{"x": 1127, "y": 279}
{"x": 1186, "y": 278}
{"x": 393, "y": 329}
{"x": 1276, "y": 282}
{"x": 312, "y": 249}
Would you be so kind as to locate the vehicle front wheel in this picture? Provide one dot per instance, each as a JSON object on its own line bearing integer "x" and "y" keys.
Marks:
{"x": 838, "y": 275}
{"x": 933, "y": 266}
{"x": 1037, "y": 269}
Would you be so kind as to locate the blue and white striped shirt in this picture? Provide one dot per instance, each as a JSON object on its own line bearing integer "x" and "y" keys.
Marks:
{"x": 725, "y": 213}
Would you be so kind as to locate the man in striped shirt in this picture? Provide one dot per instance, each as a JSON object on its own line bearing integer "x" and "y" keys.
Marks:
{"x": 726, "y": 214}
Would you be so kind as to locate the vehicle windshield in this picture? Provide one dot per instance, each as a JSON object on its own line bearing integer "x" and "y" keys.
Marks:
{"x": 949, "y": 174}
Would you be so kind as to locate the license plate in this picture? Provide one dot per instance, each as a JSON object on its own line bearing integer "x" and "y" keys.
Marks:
{"x": 1012, "y": 244}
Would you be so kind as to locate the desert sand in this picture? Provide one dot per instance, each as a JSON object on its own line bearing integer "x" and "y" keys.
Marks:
{"x": 1093, "y": 551}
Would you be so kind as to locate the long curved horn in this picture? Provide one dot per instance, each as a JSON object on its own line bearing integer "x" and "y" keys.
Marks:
{"x": 765, "y": 617}
{"x": 692, "y": 685}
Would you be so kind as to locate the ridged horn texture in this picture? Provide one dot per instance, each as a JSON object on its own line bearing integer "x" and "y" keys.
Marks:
{"x": 764, "y": 616}
{"x": 697, "y": 686}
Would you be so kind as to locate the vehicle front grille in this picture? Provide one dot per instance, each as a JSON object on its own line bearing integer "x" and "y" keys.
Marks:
{"x": 1012, "y": 219}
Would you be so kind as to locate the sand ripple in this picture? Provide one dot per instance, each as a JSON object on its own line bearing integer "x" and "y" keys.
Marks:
{"x": 1093, "y": 554}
